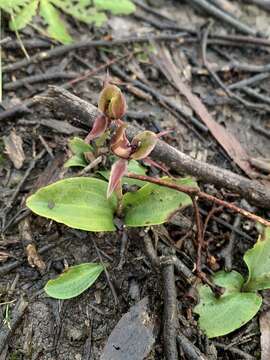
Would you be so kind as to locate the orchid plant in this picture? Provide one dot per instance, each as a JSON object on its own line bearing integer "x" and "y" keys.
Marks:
{"x": 92, "y": 204}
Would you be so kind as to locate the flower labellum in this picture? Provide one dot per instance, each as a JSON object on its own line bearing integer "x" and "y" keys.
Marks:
{"x": 143, "y": 144}
{"x": 118, "y": 170}
{"x": 112, "y": 102}
{"x": 120, "y": 145}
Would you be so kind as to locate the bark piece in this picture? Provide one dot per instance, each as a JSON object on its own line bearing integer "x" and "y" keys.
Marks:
{"x": 132, "y": 338}
{"x": 13, "y": 144}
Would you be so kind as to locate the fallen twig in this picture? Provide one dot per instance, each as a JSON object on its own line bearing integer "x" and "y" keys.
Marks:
{"x": 14, "y": 85}
{"x": 198, "y": 222}
{"x": 189, "y": 348}
{"x": 170, "y": 312}
{"x": 73, "y": 107}
{"x": 86, "y": 44}
{"x": 249, "y": 81}
{"x": 227, "y": 252}
{"x": 223, "y": 16}
{"x": 115, "y": 297}
{"x": 32, "y": 165}
{"x": 217, "y": 78}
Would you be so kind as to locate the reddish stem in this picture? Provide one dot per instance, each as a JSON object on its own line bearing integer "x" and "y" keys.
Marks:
{"x": 193, "y": 191}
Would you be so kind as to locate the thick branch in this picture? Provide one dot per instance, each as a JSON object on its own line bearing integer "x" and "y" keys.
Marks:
{"x": 62, "y": 101}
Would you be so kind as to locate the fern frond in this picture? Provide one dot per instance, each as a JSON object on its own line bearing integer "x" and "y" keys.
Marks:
{"x": 24, "y": 17}
{"x": 13, "y": 6}
{"x": 56, "y": 26}
{"x": 81, "y": 10}
{"x": 87, "y": 11}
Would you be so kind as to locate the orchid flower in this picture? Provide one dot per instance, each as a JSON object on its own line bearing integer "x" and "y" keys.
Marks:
{"x": 112, "y": 106}
{"x": 139, "y": 148}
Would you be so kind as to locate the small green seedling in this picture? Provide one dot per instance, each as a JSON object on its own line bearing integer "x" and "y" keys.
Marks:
{"x": 91, "y": 203}
{"x": 88, "y": 11}
{"x": 240, "y": 302}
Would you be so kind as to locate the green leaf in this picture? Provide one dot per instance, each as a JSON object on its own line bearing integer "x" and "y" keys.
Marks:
{"x": 220, "y": 316}
{"x": 153, "y": 204}
{"x": 116, "y": 7}
{"x": 82, "y": 11}
{"x": 73, "y": 281}
{"x": 24, "y": 17}
{"x": 258, "y": 263}
{"x": 75, "y": 160}
{"x": 78, "y": 146}
{"x": 134, "y": 167}
{"x": 56, "y": 26}
{"x": 80, "y": 203}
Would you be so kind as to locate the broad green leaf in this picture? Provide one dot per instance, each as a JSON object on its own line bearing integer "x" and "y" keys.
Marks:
{"x": 134, "y": 167}
{"x": 258, "y": 263}
{"x": 82, "y": 10}
{"x": 80, "y": 203}
{"x": 24, "y": 17}
{"x": 73, "y": 281}
{"x": 116, "y": 7}
{"x": 56, "y": 26}
{"x": 78, "y": 146}
{"x": 220, "y": 316}
{"x": 75, "y": 160}
{"x": 154, "y": 204}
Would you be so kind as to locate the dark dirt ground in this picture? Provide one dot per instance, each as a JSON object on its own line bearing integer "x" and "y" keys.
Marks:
{"x": 51, "y": 329}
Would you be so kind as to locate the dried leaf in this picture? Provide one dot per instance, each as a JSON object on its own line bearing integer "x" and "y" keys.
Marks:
{"x": 14, "y": 149}
{"x": 34, "y": 259}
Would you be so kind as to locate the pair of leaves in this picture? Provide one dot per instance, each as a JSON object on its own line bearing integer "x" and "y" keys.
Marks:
{"x": 239, "y": 303}
{"x": 73, "y": 281}
{"x": 88, "y": 11}
{"x": 81, "y": 203}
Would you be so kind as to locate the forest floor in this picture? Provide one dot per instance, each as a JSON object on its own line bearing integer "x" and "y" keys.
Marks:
{"x": 33, "y": 143}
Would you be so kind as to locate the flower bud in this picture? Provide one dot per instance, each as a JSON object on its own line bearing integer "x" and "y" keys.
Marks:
{"x": 112, "y": 102}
